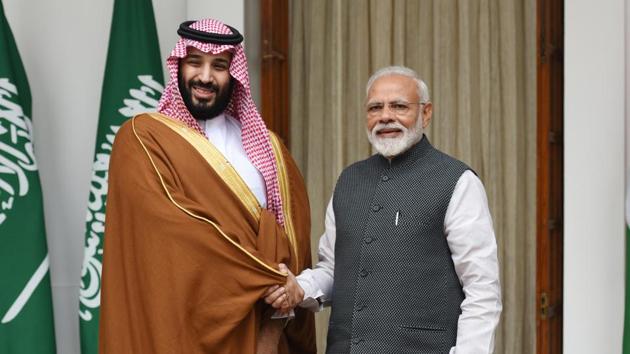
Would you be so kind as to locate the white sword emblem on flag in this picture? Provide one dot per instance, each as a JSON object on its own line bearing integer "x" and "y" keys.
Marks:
{"x": 26, "y": 293}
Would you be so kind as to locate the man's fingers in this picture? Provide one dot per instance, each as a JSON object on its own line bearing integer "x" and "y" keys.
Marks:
{"x": 270, "y": 290}
{"x": 283, "y": 297}
{"x": 283, "y": 268}
{"x": 273, "y": 297}
{"x": 280, "y": 302}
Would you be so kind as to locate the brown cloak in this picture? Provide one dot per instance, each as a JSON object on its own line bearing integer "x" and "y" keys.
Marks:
{"x": 188, "y": 251}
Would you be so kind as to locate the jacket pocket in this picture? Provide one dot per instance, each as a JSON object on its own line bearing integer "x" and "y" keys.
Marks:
{"x": 422, "y": 328}
{"x": 423, "y": 338}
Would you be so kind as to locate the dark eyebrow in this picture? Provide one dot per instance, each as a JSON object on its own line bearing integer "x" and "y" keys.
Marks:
{"x": 222, "y": 61}
{"x": 192, "y": 56}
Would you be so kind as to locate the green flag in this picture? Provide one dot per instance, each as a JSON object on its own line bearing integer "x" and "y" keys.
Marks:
{"x": 25, "y": 296}
{"x": 626, "y": 329}
{"x": 133, "y": 84}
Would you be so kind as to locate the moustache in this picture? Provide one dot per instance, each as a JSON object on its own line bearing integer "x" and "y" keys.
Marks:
{"x": 393, "y": 125}
{"x": 207, "y": 86}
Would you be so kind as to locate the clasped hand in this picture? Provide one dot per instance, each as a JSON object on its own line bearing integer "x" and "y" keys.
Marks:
{"x": 287, "y": 297}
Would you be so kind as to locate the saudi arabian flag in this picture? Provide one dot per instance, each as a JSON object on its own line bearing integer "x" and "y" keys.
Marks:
{"x": 26, "y": 314}
{"x": 626, "y": 330}
{"x": 133, "y": 84}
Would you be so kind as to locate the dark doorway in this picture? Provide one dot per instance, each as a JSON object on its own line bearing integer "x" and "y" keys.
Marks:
{"x": 274, "y": 69}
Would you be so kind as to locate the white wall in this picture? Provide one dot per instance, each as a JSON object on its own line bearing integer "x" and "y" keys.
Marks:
{"x": 63, "y": 44}
{"x": 594, "y": 123}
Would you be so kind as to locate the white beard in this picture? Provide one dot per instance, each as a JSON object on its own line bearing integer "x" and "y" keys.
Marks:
{"x": 390, "y": 147}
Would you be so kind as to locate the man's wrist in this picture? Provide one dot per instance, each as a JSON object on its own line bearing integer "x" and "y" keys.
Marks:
{"x": 308, "y": 291}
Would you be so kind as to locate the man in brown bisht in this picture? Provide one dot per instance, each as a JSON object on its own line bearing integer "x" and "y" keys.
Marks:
{"x": 205, "y": 207}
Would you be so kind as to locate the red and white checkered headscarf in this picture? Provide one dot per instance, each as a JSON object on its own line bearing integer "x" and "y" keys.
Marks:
{"x": 253, "y": 130}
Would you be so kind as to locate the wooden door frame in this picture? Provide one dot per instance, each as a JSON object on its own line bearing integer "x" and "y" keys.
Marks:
{"x": 549, "y": 190}
{"x": 274, "y": 69}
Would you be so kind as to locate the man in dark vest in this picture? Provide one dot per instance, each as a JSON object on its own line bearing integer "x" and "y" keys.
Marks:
{"x": 409, "y": 241}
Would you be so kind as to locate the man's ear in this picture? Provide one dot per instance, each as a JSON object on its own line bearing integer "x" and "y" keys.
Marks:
{"x": 427, "y": 114}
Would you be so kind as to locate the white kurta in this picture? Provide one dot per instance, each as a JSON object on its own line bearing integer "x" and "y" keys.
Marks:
{"x": 470, "y": 237}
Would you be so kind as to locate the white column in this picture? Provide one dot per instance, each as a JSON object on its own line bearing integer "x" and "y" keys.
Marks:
{"x": 594, "y": 125}
{"x": 168, "y": 16}
{"x": 230, "y": 12}
{"x": 627, "y": 109}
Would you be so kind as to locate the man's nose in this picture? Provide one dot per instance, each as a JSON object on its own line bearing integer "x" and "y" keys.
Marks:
{"x": 207, "y": 74}
{"x": 386, "y": 115}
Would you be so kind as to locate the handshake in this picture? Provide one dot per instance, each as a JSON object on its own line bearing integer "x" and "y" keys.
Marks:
{"x": 284, "y": 298}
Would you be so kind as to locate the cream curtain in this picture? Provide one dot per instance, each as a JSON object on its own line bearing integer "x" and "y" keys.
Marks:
{"x": 478, "y": 58}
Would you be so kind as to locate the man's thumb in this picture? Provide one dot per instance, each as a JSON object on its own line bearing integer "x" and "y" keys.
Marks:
{"x": 283, "y": 268}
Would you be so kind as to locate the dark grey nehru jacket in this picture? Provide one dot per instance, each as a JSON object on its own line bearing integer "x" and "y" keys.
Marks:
{"x": 395, "y": 288}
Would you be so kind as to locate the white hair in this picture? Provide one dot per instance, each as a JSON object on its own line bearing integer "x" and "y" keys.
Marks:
{"x": 423, "y": 89}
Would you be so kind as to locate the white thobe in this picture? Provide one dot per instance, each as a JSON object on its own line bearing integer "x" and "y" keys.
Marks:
{"x": 224, "y": 132}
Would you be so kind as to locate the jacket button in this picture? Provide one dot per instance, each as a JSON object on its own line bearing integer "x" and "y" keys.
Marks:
{"x": 364, "y": 273}
{"x": 369, "y": 240}
{"x": 376, "y": 207}
{"x": 361, "y": 307}
{"x": 385, "y": 178}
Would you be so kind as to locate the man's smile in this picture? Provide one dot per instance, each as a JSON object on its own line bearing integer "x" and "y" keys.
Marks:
{"x": 203, "y": 92}
{"x": 388, "y": 132}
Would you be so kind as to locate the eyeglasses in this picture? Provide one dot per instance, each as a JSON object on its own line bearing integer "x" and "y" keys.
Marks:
{"x": 399, "y": 108}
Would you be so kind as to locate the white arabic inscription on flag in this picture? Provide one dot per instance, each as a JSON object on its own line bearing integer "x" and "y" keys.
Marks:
{"x": 16, "y": 149}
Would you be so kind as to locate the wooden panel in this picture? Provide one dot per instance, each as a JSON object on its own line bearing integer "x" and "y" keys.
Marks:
{"x": 550, "y": 71}
{"x": 274, "y": 71}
